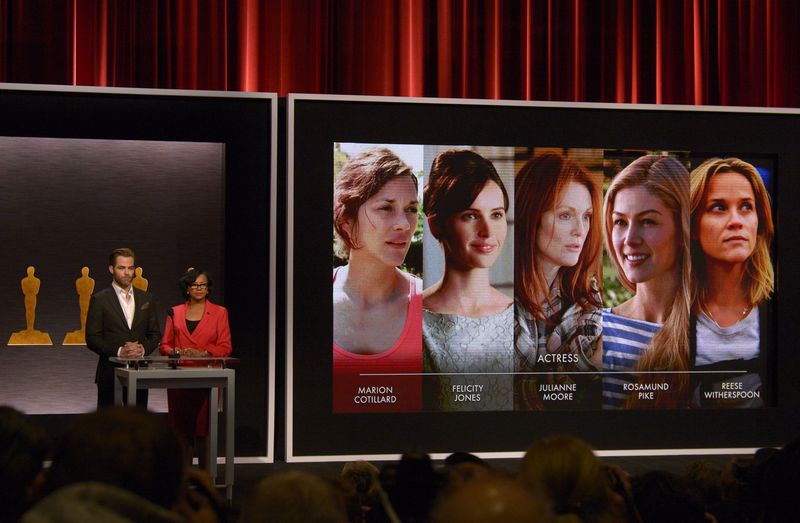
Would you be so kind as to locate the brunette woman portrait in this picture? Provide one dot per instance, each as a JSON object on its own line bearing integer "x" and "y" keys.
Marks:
{"x": 732, "y": 281}
{"x": 647, "y": 232}
{"x": 467, "y": 323}
{"x": 556, "y": 274}
{"x": 377, "y": 307}
{"x": 196, "y": 328}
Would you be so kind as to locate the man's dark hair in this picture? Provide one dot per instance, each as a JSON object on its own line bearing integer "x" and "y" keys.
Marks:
{"x": 121, "y": 251}
{"x": 23, "y": 449}
{"x": 125, "y": 447}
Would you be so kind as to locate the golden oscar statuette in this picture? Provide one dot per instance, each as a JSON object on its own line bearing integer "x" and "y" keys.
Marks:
{"x": 139, "y": 282}
{"x": 30, "y": 336}
{"x": 84, "y": 286}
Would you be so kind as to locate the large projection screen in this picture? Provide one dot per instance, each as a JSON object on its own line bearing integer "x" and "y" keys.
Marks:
{"x": 404, "y": 369}
{"x": 185, "y": 179}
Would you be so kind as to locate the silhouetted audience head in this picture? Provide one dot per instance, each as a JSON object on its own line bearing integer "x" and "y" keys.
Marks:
{"x": 565, "y": 471}
{"x": 412, "y": 486}
{"x": 362, "y": 476}
{"x": 294, "y": 497}
{"x": 492, "y": 498}
{"x": 779, "y": 473}
{"x": 23, "y": 449}
{"x": 124, "y": 447}
{"x": 663, "y": 497}
{"x": 707, "y": 479}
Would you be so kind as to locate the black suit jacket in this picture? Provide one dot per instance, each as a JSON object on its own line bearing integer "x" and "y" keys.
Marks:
{"x": 107, "y": 330}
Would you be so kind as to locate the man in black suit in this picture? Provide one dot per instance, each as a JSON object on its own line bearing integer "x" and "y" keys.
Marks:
{"x": 121, "y": 322}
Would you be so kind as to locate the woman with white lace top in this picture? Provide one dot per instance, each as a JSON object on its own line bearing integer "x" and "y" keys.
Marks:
{"x": 467, "y": 327}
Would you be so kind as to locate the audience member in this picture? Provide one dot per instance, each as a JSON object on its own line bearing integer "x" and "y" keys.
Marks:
{"x": 363, "y": 477}
{"x": 492, "y": 498}
{"x": 412, "y": 486}
{"x": 779, "y": 473}
{"x": 294, "y": 497}
{"x": 566, "y": 472}
{"x": 663, "y": 497}
{"x": 121, "y": 464}
{"x": 23, "y": 448}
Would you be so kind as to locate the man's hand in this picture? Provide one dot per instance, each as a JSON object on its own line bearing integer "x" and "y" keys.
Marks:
{"x": 132, "y": 349}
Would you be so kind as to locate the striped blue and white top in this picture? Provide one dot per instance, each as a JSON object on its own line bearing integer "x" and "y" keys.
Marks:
{"x": 624, "y": 342}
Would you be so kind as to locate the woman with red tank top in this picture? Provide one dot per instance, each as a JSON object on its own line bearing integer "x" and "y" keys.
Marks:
{"x": 377, "y": 308}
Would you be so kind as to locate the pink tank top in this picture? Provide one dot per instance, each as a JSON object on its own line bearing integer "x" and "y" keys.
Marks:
{"x": 355, "y": 392}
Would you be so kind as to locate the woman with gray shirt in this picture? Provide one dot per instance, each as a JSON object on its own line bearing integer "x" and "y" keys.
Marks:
{"x": 467, "y": 327}
{"x": 732, "y": 280}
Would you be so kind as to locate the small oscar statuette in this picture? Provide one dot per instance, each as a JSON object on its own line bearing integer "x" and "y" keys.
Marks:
{"x": 138, "y": 281}
{"x": 84, "y": 286}
{"x": 30, "y": 336}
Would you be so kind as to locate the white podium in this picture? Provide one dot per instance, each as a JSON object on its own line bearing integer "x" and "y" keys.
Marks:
{"x": 164, "y": 373}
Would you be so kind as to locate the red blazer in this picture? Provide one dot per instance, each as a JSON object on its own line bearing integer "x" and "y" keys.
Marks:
{"x": 211, "y": 334}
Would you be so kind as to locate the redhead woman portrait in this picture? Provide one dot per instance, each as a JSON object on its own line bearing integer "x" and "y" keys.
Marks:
{"x": 647, "y": 232}
{"x": 377, "y": 307}
{"x": 556, "y": 273}
{"x": 467, "y": 326}
{"x": 732, "y": 281}
{"x": 196, "y": 328}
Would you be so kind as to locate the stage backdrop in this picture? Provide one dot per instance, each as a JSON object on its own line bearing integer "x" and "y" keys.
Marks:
{"x": 182, "y": 178}
{"x": 645, "y": 51}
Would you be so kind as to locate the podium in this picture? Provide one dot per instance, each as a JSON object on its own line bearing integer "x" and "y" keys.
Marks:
{"x": 160, "y": 372}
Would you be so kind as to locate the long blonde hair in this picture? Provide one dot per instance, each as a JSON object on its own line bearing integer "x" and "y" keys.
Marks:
{"x": 565, "y": 471}
{"x": 759, "y": 276}
{"x": 668, "y": 180}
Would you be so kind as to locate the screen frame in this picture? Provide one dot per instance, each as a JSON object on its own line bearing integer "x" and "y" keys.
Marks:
{"x": 673, "y": 124}
{"x": 166, "y": 100}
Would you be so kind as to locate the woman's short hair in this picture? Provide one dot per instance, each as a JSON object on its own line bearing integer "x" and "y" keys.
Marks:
{"x": 668, "y": 180}
{"x": 539, "y": 185}
{"x": 189, "y": 277}
{"x": 360, "y": 179}
{"x": 759, "y": 274}
{"x": 457, "y": 178}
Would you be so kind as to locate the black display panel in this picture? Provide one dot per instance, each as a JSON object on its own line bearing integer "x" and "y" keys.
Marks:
{"x": 184, "y": 179}
{"x": 328, "y": 132}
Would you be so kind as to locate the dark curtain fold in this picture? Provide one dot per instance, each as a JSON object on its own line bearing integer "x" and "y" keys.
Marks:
{"x": 731, "y": 52}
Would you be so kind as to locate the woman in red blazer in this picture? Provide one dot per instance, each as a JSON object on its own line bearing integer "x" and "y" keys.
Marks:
{"x": 196, "y": 328}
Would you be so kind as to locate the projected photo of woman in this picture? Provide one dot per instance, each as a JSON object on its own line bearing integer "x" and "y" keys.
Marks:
{"x": 647, "y": 232}
{"x": 556, "y": 273}
{"x": 377, "y": 308}
{"x": 467, "y": 324}
{"x": 732, "y": 281}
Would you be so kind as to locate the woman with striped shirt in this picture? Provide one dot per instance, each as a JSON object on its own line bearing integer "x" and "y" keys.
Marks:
{"x": 646, "y": 215}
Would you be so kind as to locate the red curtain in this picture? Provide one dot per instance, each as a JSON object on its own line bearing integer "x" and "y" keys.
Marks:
{"x": 732, "y": 52}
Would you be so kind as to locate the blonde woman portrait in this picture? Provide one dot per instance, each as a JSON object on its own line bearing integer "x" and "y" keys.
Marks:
{"x": 646, "y": 216}
{"x": 732, "y": 281}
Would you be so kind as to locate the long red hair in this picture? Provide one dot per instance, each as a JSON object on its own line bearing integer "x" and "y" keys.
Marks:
{"x": 538, "y": 189}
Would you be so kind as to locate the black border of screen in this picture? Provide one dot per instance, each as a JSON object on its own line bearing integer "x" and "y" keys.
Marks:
{"x": 316, "y": 122}
{"x": 245, "y": 123}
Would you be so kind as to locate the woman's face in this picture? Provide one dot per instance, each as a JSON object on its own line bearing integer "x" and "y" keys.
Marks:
{"x": 475, "y": 235}
{"x": 563, "y": 229}
{"x": 386, "y": 222}
{"x": 644, "y": 235}
{"x": 199, "y": 289}
{"x": 727, "y": 226}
